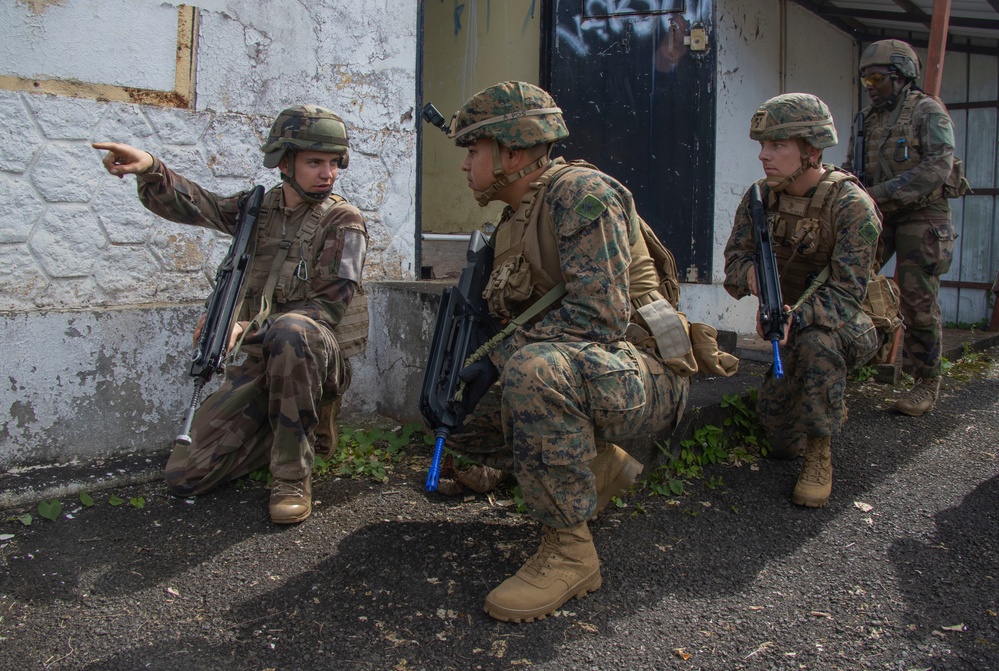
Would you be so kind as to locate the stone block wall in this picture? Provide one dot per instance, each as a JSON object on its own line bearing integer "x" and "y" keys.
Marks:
{"x": 99, "y": 296}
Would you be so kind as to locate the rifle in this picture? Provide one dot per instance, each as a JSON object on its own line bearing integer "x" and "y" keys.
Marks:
{"x": 463, "y": 325}
{"x": 213, "y": 342}
{"x": 858, "y": 147}
{"x": 772, "y": 315}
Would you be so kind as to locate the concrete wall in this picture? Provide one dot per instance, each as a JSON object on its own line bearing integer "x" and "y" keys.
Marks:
{"x": 97, "y": 295}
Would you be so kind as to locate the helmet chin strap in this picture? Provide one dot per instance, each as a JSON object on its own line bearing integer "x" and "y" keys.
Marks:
{"x": 890, "y": 101}
{"x": 806, "y": 164}
{"x": 483, "y": 198}
{"x": 314, "y": 197}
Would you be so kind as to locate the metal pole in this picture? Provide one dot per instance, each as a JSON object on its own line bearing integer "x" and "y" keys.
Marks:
{"x": 938, "y": 47}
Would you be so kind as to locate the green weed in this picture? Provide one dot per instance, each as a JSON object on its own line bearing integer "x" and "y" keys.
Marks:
{"x": 741, "y": 439}
{"x": 370, "y": 453}
{"x": 864, "y": 373}
{"x": 49, "y": 509}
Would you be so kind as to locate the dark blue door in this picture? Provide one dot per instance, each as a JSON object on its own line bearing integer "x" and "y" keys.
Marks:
{"x": 635, "y": 79}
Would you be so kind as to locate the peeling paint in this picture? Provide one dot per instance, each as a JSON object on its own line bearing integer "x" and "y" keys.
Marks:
{"x": 37, "y": 7}
{"x": 22, "y": 413}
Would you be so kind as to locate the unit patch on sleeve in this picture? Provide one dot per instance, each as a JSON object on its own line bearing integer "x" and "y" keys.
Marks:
{"x": 590, "y": 207}
{"x": 870, "y": 232}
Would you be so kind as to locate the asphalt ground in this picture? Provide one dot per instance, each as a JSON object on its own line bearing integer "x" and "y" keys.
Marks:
{"x": 898, "y": 572}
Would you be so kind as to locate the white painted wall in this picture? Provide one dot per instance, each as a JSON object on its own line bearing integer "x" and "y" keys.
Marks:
{"x": 98, "y": 296}
{"x": 820, "y": 60}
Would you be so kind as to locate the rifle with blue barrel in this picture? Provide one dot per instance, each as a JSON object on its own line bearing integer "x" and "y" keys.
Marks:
{"x": 772, "y": 315}
{"x": 463, "y": 326}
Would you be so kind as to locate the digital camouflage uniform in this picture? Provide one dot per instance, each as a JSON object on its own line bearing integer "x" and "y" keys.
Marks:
{"x": 583, "y": 371}
{"x": 825, "y": 242}
{"x": 909, "y": 156}
{"x": 831, "y": 334}
{"x": 267, "y": 411}
{"x": 571, "y": 379}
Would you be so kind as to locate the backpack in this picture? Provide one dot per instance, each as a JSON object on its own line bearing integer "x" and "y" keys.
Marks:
{"x": 881, "y": 303}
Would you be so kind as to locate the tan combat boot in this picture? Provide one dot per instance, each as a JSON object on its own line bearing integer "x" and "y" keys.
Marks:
{"x": 565, "y": 566}
{"x": 615, "y": 471}
{"x": 291, "y": 500}
{"x": 921, "y": 398}
{"x": 815, "y": 480}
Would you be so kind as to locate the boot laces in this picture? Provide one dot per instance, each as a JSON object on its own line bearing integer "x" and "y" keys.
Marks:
{"x": 815, "y": 470}
{"x": 288, "y": 488}
{"x": 921, "y": 391}
{"x": 548, "y": 551}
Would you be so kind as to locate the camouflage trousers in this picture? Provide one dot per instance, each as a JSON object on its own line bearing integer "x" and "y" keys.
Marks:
{"x": 924, "y": 244}
{"x": 265, "y": 413}
{"x": 551, "y": 405}
{"x": 809, "y": 399}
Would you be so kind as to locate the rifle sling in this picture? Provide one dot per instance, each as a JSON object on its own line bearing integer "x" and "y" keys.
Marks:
{"x": 553, "y": 295}
{"x": 813, "y": 287}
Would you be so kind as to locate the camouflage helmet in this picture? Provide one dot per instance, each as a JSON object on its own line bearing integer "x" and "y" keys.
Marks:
{"x": 794, "y": 115}
{"x": 517, "y": 115}
{"x": 306, "y": 127}
{"x": 895, "y": 54}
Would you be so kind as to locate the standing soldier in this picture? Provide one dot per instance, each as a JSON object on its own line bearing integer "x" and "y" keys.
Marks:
{"x": 571, "y": 380}
{"x": 302, "y": 315}
{"x": 908, "y": 140}
{"x": 824, "y": 232}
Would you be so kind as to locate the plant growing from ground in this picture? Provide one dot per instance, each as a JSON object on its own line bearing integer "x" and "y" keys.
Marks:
{"x": 49, "y": 509}
{"x": 739, "y": 440}
{"x": 864, "y": 373}
{"x": 367, "y": 452}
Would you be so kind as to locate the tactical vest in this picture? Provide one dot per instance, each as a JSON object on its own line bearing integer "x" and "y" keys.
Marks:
{"x": 803, "y": 239}
{"x": 526, "y": 262}
{"x": 293, "y": 282}
{"x": 895, "y": 147}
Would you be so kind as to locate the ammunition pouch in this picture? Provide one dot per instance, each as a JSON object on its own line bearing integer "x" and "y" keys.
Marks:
{"x": 509, "y": 284}
{"x": 957, "y": 184}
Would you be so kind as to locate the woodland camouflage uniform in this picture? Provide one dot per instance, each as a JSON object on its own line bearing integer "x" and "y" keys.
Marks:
{"x": 268, "y": 411}
{"x": 909, "y": 145}
{"x": 569, "y": 382}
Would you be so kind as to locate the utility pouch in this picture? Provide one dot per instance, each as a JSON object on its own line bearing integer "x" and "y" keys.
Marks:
{"x": 669, "y": 330}
{"x": 957, "y": 184}
{"x": 509, "y": 284}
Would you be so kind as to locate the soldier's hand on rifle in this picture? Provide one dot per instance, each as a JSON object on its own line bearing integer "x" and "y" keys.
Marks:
{"x": 237, "y": 331}
{"x": 751, "y": 281}
{"x": 197, "y": 330}
{"x": 123, "y": 159}
{"x": 787, "y": 326}
{"x": 478, "y": 377}
{"x": 234, "y": 335}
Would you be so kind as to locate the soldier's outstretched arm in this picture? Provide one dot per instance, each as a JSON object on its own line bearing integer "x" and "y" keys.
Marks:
{"x": 122, "y": 159}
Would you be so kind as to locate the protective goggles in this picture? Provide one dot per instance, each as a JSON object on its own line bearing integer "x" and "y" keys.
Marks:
{"x": 873, "y": 79}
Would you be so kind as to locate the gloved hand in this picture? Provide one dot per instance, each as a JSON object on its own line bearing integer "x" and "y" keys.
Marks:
{"x": 710, "y": 359}
{"x": 478, "y": 377}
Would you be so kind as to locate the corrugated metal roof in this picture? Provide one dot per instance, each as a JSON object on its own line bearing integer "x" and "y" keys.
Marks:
{"x": 974, "y": 24}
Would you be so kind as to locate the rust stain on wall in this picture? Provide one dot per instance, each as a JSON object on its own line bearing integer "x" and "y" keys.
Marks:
{"x": 37, "y": 7}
